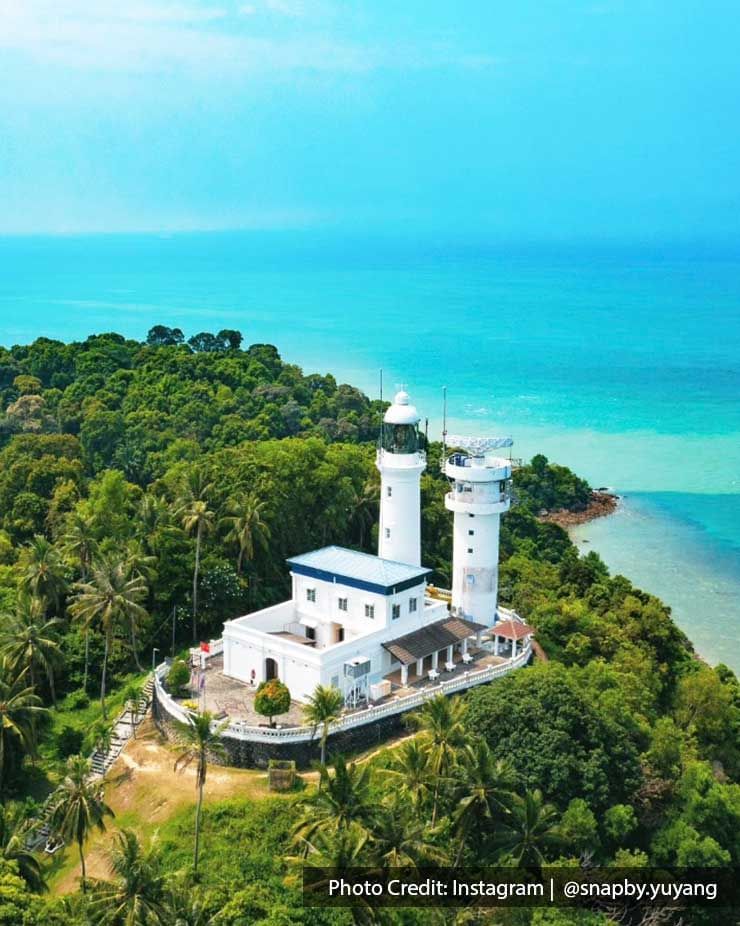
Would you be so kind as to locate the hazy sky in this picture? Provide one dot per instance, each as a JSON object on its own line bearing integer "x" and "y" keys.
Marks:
{"x": 528, "y": 119}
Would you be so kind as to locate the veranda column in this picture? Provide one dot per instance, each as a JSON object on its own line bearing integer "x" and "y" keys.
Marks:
{"x": 420, "y": 667}
{"x": 495, "y": 644}
{"x": 449, "y": 654}
{"x": 404, "y": 674}
{"x": 513, "y": 648}
{"x": 435, "y": 659}
{"x": 465, "y": 646}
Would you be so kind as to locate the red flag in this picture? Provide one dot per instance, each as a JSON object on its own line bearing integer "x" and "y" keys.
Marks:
{"x": 205, "y": 647}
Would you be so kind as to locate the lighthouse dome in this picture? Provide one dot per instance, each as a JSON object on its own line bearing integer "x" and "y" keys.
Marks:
{"x": 401, "y": 411}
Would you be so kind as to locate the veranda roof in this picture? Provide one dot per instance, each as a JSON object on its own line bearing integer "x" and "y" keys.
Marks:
{"x": 512, "y": 630}
{"x": 430, "y": 639}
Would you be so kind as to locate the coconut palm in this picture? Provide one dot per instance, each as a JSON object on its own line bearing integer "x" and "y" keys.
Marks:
{"x": 321, "y": 709}
{"x": 410, "y": 773}
{"x": 133, "y": 700}
{"x": 363, "y": 510}
{"x": 327, "y": 852}
{"x": 185, "y": 905}
{"x": 13, "y": 848}
{"x": 400, "y": 839}
{"x": 111, "y": 599}
{"x": 78, "y": 807}
{"x": 80, "y": 544}
{"x": 42, "y": 571}
{"x": 343, "y": 798}
{"x": 199, "y": 742}
{"x": 19, "y": 704}
{"x": 486, "y": 790}
{"x": 246, "y": 525}
{"x": 443, "y": 736}
{"x": 529, "y": 830}
{"x": 135, "y": 896}
{"x": 29, "y": 641}
{"x": 197, "y": 519}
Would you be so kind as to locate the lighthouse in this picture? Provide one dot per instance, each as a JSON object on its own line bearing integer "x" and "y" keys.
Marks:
{"x": 401, "y": 463}
{"x": 479, "y": 494}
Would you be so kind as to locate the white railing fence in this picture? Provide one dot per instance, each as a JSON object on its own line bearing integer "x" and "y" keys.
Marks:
{"x": 238, "y": 729}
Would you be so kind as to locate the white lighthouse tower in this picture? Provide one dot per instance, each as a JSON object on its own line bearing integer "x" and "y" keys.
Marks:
{"x": 401, "y": 464}
{"x": 479, "y": 494}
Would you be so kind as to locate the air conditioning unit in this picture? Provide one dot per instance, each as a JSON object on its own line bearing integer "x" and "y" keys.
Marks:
{"x": 357, "y": 668}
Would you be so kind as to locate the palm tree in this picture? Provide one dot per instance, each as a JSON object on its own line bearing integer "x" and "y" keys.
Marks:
{"x": 199, "y": 742}
{"x": 486, "y": 790}
{"x": 80, "y": 543}
{"x": 246, "y": 525}
{"x": 321, "y": 709}
{"x": 135, "y": 896}
{"x": 530, "y": 828}
{"x": 443, "y": 735}
{"x": 28, "y": 641}
{"x": 342, "y": 799}
{"x": 42, "y": 571}
{"x": 13, "y": 848}
{"x": 78, "y": 807}
{"x": 410, "y": 773}
{"x": 197, "y": 519}
{"x": 133, "y": 699}
{"x": 400, "y": 839}
{"x": 19, "y": 703}
{"x": 363, "y": 509}
{"x": 111, "y": 598}
{"x": 185, "y": 905}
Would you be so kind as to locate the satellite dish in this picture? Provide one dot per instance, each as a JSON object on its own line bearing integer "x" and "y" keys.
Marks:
{"x": 479, "y": 446}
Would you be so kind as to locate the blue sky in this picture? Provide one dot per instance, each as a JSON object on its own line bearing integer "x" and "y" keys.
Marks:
{"x": 526, "y": 120}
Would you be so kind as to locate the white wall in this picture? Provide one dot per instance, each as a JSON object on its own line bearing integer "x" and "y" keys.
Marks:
{"x": 399, "y": 530}
{"x": 475, "y": 575}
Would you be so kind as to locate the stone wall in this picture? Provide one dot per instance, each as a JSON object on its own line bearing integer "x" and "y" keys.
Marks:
{"x": 247, "y": 754}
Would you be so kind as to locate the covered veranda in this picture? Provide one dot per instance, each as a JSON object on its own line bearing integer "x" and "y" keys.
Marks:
{"x": 443, "y": 644}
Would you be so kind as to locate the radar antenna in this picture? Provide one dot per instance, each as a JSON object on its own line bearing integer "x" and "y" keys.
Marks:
{"x": 479, "y": 446}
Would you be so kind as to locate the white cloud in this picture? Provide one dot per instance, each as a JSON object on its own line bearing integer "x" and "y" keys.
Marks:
{"x": 157, "y": 36}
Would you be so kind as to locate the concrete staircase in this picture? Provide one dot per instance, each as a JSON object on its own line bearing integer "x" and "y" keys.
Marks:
{"x": 123, "y": 729}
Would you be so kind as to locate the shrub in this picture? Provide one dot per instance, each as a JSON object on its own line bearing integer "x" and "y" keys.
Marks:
{"x": 178, "y": 677}
{"x": 69, "y": 741}
{"x": 77, "y": 700}
{"x": 272, "y": 698}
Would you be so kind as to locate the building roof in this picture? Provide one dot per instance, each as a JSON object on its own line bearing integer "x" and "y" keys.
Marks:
{"x": 512, "y": 630}
{"x": 360, "y": 570}
{"x": 430, "y": 639}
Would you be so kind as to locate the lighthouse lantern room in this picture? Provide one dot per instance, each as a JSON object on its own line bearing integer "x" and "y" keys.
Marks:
{"x": 401, "y": 463}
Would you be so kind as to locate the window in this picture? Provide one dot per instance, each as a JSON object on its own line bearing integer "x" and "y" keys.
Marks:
{"x": 412, "y": 604}
{"x": 471, "y": 515}
{"x": 389, "y": 491}
{"x": 387, "y": 533}
{"x": 370, "y": 611}
{"x": 470, "y": 549}
{"x": 311, "y": 594}
{"x": 342, "y": 603}
{"x": 335, "y": 681}
{"x": 395, "y": 612}
{"x": 471, "y": 533}
{"x": 310, "y": 633}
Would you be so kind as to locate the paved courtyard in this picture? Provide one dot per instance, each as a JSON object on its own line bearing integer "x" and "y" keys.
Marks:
{"x": 228, "y": 698}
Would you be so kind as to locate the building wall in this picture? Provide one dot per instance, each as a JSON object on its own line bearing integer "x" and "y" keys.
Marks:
{"x": 475, "y": 574}
{"x": 399, "y": 530}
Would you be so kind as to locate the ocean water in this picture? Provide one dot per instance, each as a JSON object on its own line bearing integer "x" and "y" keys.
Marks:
{"x": 622, "y": 362}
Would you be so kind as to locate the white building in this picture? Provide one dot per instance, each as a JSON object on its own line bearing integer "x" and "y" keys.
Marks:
{"x": 353, "y": 618}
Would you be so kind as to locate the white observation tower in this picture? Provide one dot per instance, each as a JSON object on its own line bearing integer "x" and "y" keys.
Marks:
{"x": 479, "y": 494}
{"x": 401, "y": 464}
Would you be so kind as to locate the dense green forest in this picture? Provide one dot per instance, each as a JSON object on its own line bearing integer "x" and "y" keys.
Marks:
{"x": 157, "y": 487}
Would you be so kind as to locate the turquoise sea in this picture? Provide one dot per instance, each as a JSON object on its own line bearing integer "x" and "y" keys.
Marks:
{"x": 623, "y": 362}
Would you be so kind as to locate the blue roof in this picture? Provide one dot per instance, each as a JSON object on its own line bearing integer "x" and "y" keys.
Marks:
{"x": 361, "y": 570}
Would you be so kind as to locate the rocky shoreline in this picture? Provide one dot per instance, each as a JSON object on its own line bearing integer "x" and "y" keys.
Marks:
{"x": 602, "y": 503}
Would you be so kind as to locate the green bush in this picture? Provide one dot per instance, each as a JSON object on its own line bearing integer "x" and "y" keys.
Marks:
{"x": 69, "y": 741}
{"x": 77, "y": 700}
{"x": 178, "y": 677}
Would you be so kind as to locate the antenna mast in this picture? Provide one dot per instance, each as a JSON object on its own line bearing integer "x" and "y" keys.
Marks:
{"x": 444, "y": 426}
{"x": 380, "y": 424}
